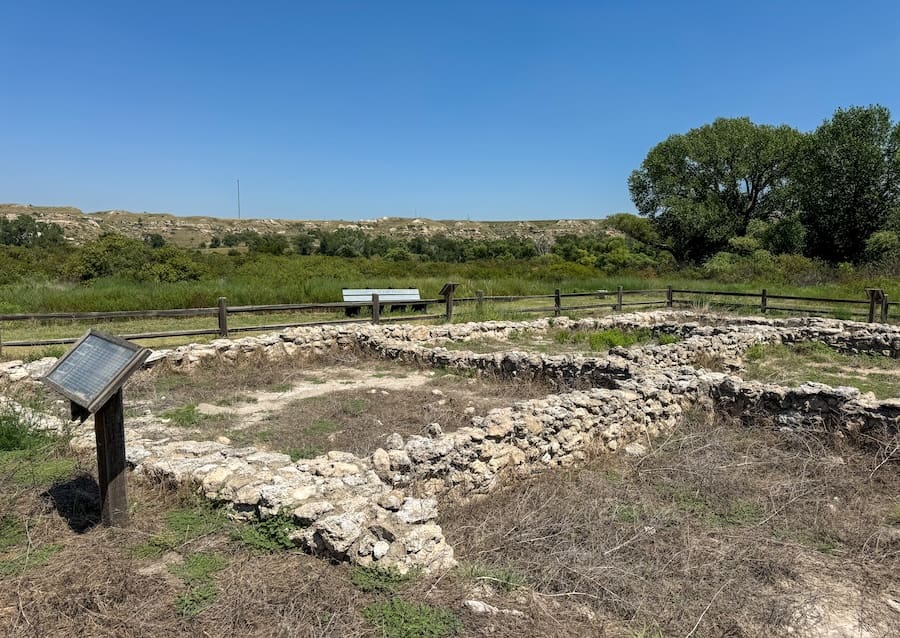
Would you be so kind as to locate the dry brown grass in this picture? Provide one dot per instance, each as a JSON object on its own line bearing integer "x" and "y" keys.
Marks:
{"x": 720, "y": 531}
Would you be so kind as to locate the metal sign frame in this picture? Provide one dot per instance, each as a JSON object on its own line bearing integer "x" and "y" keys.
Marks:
{"x": 139, "y": 356}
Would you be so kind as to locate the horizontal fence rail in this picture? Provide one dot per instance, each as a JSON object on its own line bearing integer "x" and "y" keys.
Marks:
{"x": 876, "y": 307}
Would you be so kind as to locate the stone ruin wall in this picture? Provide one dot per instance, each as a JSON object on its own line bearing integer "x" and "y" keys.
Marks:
{"x": 382, "y": 509}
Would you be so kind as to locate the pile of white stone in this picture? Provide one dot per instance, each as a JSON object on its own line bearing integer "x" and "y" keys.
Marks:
{"x": 382, "y": 509}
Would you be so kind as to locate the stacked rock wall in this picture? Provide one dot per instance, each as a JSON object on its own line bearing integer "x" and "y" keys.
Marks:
{"x": 382, "y": 509}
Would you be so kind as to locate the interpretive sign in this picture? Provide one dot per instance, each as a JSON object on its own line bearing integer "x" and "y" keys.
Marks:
{"x": 91, "y": 375}
{"x": 95, "y": 368}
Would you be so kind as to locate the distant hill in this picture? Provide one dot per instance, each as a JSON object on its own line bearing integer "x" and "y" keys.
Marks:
{"x": 190, "y": 232}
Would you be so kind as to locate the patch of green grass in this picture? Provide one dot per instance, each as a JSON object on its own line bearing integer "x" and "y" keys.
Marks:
{"x": 30, "y": 456}
{"x": 269, "y": 535}
{"x": 397, "y": 618}
{"x": 12, "y": 531}
{"x": 378, "y": 579}
{"x": 39, "y": 471}
{"x": 626, "y": 513}
{"x": 819, "y": 540}
{"x": 665, "y": 339}
{"x": 182, "y": 526}
{"x": 17, "y": 433}
{"x": 314, "y": 380}
{"x": 281, "y": 387}
{"x": 23, "y": 561}
{"x": 321, "y": 427}
{"x": 305, "y": 452}
{"x": 792, "y": 364}
{"x": 47, "y": 351}
{"x": 197, "y": 573}
{"x": 196, "y": 599}
{"x": 236, "y": 399}
{"x": 167, "y": 383}
{"x": 186, "y": 416}
{"x": 738, "y": 513}
{"x": 199, "y": 567}
{"x": 355, "y": 406}
{"x": 893, "y": 515}
{"x": 500, "y": 578}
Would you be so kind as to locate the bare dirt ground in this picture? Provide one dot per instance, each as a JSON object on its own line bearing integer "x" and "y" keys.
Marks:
{"x": 320, "y": 407}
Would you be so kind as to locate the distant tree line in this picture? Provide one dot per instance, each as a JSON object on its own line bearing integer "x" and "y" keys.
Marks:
{"x": 27, "y": 232}
{"x": 734, "y": 190}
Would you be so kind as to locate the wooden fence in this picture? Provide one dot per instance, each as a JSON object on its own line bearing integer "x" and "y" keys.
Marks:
{"x": 876, "y": 306}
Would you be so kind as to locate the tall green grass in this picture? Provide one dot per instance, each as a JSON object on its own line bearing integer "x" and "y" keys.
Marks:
{"x": 301, "y": 279}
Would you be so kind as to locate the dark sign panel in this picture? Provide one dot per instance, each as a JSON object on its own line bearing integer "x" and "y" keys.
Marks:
{"x": 95, "y": 368}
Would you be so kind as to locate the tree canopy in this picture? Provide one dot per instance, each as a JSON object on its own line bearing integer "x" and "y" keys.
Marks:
{"x": 706, "y": 185}
{"x": 734, "y": 186}
{"x": 848, "y": 182}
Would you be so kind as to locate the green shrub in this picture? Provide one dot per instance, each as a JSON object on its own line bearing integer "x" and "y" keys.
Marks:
{"x": 196, "y": 572}
{"x": 500, "y": 578}
{"x": 378, "y": 579}
{"x": 16, "y": 433}
{"x": 185, "y": 416}
{"x": 269, "y": 535}
{"x": 399, "y": 619}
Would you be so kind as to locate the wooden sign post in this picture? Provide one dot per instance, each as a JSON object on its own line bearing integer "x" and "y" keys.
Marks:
{"x": 91, "y": 376}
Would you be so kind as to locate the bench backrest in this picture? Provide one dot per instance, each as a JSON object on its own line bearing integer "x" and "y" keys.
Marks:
{"x": 388, "y": 295}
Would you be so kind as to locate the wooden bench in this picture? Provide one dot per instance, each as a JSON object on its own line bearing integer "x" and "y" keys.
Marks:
{"x": 398, "y": 298}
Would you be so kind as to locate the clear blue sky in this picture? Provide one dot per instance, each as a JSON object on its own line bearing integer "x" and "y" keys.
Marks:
{"x": 481, "y": 109}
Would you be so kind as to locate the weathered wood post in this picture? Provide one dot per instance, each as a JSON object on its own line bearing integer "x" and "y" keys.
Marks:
{"x": 557, "y": 303}
{"x": 376, "y": 308}
{"x": 619, "y": 299}
{"x": 109, "y": 432}
{"x": 223, "y": 317}
{"x": 669, "y": 297}
{"x": 764, "y": 301}
{"x": 447, "y": 293}
{"x": 884, "y": 310}
{"x": 875, "y": 295}
{"x": 479, "y": 301}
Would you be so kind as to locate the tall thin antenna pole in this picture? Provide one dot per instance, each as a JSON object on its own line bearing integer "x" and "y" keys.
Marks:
{"x": 239, "y": 198}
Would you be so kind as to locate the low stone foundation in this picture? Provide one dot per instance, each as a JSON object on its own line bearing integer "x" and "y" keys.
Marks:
{"x": 381, "y": 509}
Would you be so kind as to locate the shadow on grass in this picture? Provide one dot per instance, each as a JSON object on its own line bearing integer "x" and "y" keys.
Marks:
{"x": 77, "y": 500}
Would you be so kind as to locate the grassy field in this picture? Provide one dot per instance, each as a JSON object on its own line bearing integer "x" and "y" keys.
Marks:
{"x": 814, "y": 361}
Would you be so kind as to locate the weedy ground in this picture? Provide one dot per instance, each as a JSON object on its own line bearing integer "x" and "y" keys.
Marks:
{"x": 719, "y": 530}
{"x": 814, "y": 361}
{"x": 345, "y": 401}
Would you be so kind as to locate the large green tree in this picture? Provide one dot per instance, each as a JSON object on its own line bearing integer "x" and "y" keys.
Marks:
{"x": 848, "y": 182}
{"x": 705, "y": 186}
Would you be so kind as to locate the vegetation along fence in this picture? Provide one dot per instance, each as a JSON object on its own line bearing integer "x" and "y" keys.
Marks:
{"x": 875, "y": 307}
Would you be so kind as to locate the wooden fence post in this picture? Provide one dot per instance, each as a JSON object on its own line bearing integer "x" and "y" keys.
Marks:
{"x": 109, "y": 430}
{"x": 448, "y": 300}
{"x": 557, "y": 303}
{"x": 376, "y": 308}
{"x": 223, "y": 317}
{"x": 479, "y": 300}
{"x": 884, "y": 309}
{"x": 764, "y": 301}
{"x": 872, "y": 297}
{"x": 619, "y": 299}
{"x": 669, "y": 298}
